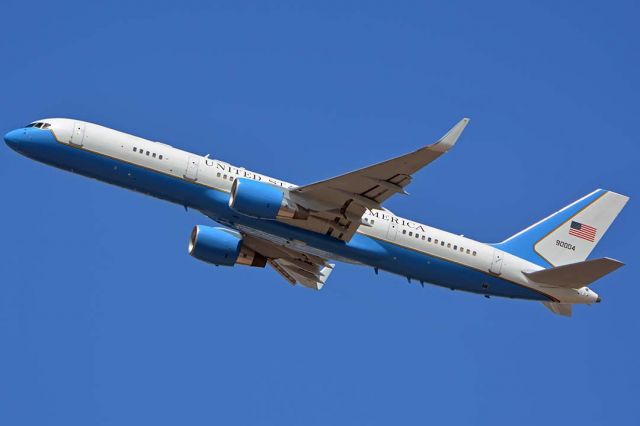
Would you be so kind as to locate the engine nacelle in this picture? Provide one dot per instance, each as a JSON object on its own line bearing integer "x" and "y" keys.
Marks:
{"x": 263, "y": 201}
{"x": 222, "y": 247}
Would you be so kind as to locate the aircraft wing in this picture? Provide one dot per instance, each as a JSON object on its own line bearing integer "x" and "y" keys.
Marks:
{"x": 342, "y": 200}
{"x": 297, "y": 268}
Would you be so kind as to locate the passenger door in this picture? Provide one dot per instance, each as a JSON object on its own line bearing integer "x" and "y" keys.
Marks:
{"x": 496, "y": 263}
{"x": 192, "y": 168}
{"x": 77, "y": 135}
{"x": 392, "y": 231}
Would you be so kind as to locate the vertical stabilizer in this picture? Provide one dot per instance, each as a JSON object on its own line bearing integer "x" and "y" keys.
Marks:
{"x": 569, "y": 235}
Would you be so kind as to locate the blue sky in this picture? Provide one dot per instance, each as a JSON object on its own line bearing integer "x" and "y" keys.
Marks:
{"x": 105, "y": 319}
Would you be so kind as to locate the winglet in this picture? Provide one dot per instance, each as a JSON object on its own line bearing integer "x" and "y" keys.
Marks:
{"x": 449, "y": 140}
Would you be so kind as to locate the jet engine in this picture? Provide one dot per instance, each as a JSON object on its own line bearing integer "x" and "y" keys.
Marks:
{"x": 222, "y": 247}
{"x": 263, "y": 201}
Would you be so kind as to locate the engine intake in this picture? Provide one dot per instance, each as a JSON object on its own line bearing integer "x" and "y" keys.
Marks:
{"x": 221, "y": 246}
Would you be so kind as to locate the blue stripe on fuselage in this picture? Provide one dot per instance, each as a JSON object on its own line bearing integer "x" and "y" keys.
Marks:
{"x": 214, "y": 203}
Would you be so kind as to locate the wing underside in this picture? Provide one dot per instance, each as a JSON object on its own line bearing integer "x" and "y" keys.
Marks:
{"x": 336, "y": 205}
{"x": 294, "y": 266}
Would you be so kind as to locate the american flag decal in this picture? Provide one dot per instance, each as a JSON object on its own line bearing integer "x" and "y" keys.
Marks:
{"x": 583, "y": 231}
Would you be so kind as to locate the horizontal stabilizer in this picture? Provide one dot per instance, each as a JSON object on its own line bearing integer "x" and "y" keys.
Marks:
{"x": 575, "y": 275}
{"x": 564, "y": 309}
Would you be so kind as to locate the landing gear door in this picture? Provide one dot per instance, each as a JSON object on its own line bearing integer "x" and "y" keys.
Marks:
{"x": 191, "y": 172}
{"x": 496, "y": 263}
{"x": 77, "y": 135}
{"x": 392, "y": 231}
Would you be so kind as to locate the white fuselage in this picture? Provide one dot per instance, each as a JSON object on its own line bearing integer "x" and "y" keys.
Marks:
{"x": 381, "y": 226}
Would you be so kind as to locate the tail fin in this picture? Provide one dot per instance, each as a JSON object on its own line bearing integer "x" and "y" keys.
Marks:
{"x": 569, "y": 235}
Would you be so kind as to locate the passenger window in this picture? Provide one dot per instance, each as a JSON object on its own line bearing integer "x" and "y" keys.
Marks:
{"x": 373, "y": 221}
{"x": 468, "y": 251}
{"x": 154, "y": 155}
{"x": 147, "y": 153}
{"x": 160, "y": 156}
{"x": 455, "y": 247}
{"x": 474, "y": 253}
{"x": 218, "y": 174}
{"x": 404, "y": 231}
{"x": 224, "y": 177}
{"x": 423, "y": 238}
{"x": 429, "y": 239}
{"x": 135, "y": 149}
{"x": 417, "y": 236}
{"x": 449, "y": 245}
{"x": 442, "y": 243}
{"x": 411, "y": 234}
{"x": 436, "y": 241}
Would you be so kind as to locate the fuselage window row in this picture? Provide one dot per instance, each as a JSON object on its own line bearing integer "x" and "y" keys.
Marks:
{"x": 442, "y": 243}
{"x": 229, "y": 177}
{"x": 148, "y": 153}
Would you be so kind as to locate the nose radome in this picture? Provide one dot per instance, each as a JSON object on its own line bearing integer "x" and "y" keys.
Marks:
{"x": 14, "y": 137}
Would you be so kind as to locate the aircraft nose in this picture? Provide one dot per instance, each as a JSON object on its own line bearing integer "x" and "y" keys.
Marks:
{"x": 14, "y": 137}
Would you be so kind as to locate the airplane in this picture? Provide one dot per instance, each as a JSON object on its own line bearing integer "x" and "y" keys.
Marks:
{"x": 300, "y": 230}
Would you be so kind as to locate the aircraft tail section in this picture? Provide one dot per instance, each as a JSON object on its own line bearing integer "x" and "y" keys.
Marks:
{"x": 569, "y": 235}
{"x": 575, "y": 275}
{"x": 564, "y": 309}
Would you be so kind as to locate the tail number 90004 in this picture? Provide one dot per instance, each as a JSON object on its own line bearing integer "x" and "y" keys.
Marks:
{"x": 565, "y": 245}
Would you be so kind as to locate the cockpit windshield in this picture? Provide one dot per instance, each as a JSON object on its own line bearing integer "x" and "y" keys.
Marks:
{"x": 39, "y": 125}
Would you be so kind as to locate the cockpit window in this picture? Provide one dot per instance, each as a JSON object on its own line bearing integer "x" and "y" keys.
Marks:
{"x": 40, "y": 125}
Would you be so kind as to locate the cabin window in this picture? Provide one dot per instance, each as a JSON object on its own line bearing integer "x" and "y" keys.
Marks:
{"x": 410, "y": 234}
{"x": 474, "y": 253}
{"x": 404, "y": 231}
{"x": 218, "y": 174}
{"x": 436, "y": 241}
{"x": 160, "y": 157}
{"x": 135, "y": 149}
{"x": 442, "y": 243}
{"x": 449, "y": 245}
{"x": 154, "y": 155}
{"x": 455, "y": 247}
{"x": 423, "y": 238}
{"x": 372, "y": 221}
{"x": 224, "y": 177}
{"x": 429, "y": 239}
{"x": 461, "y": 249}
{"x": 417, "y": 236}
{"x": 468, "y": 251}
{"x": 147, "y": 153}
